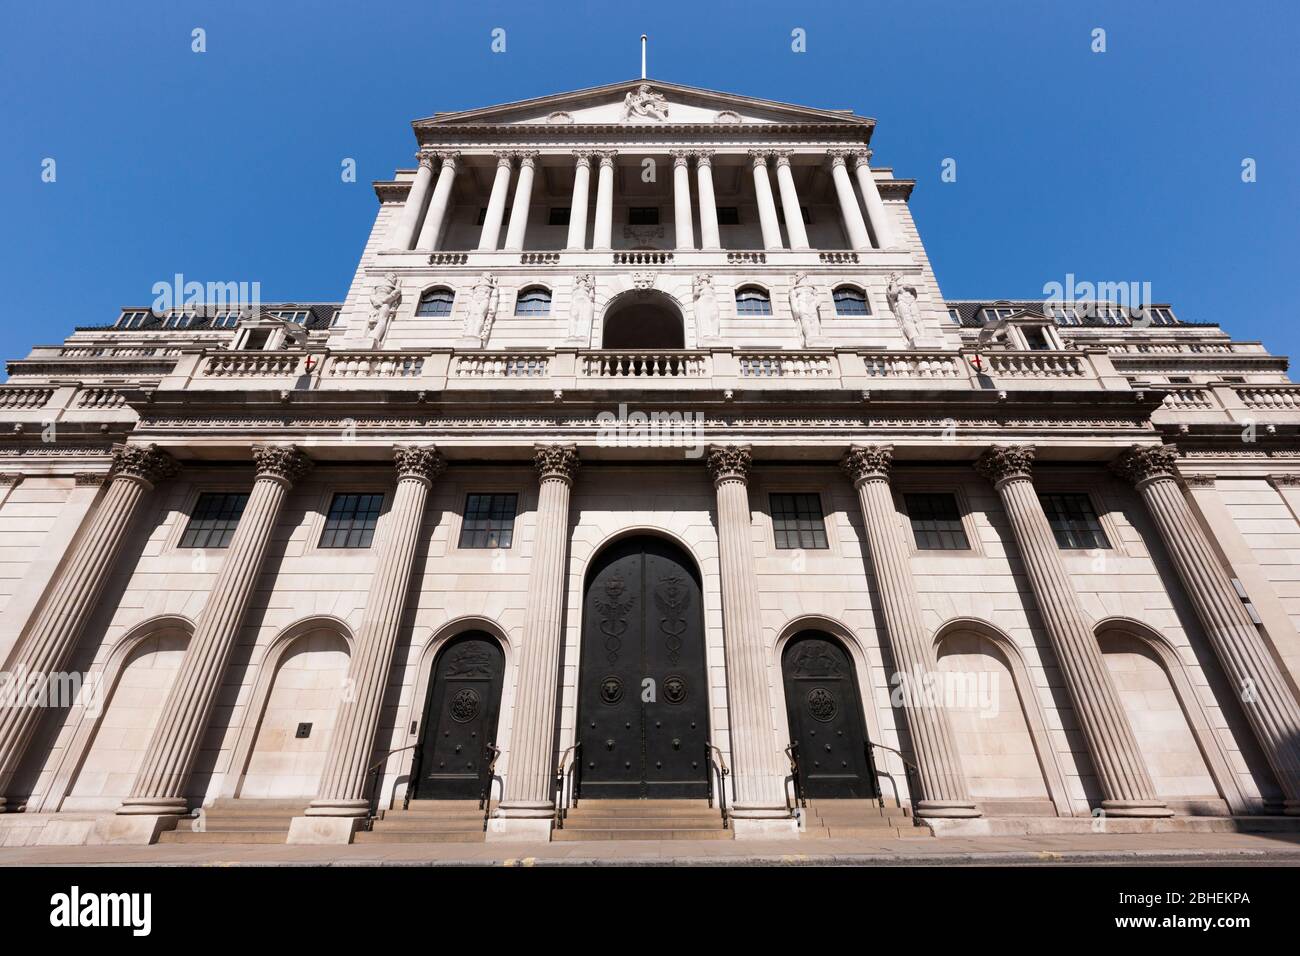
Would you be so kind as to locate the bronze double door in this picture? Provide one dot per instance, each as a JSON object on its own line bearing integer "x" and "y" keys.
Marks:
{"x": 460, "y": 719}
{"x": 643, "y": 693}
{"x": 825, "y": 713}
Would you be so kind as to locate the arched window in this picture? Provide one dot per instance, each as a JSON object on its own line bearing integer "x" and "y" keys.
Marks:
{"x": 436, "y": 302}
{"x": 751, "y": 300}
{"x": 533, "y": 301}
{"x": 850, "y": 300}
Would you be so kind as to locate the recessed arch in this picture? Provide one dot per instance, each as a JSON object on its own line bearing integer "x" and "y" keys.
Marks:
{"x": 643, "y": 319}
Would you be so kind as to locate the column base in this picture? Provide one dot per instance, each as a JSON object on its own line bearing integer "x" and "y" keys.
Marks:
{"x": 356, "y": 809}
{"x": 322, "y": 830}
{"x": 3, "y": 804}
{"x": 136, "y": 828}
{"x": 522, "y": 821}
{"x": 1290, "y": 808}
{"x": 1135, "y": 808}
{"x": 153, "y": 806}
{"x": 946, "y": 809}
{"x": 756, "y": 822}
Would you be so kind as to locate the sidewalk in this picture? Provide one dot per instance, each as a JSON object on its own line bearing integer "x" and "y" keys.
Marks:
{"x": 1093, "y": 849}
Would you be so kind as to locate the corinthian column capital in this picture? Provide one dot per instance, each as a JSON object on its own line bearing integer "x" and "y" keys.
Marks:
{"x": 729, "y": 463}
{"x": 527, "y": 157}
{"x": 147, "y": 463}
{"x": 556, "y": 462}
{"x": 582, "y": 157}
{"x": 1142, "y": 462}
{"x": 758, "y": 157}
{"x": 837, "y": 157}
{"x": 606, "y": 156}
{"x": 703, "y": 157}
{"x": 449, "y": 157}
{"x": 426, "y": 157}
{"x": 418, "y": 461}
{"x": 681, "y": 157}
{"x": 505, "y": 158}
{"x": 861, "y": 157}
{"x": 282, "y": 462}
{"x": 1004, "y": 462}
{"x": 867, "y": 462}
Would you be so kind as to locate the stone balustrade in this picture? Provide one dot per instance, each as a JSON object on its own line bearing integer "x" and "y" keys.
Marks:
{"x": 788, "y": 365}
{"x": 502, "y": 365}
{"x": 22, "y": 398}
{"x": 1036, "y": 364}
{"x": 251, "y": 364}
{"x": 386, "y": 365}
{"x": 1270, "y": 397}
{"x": 645, "y": 364}
{"x": 906, "y": 365}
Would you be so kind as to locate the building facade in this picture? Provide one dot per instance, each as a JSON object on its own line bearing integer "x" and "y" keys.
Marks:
{"x": 645, "y": 460}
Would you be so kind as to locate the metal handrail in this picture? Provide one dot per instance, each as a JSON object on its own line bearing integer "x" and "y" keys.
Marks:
{"x": 795, "y": 779}
{"x": 718, "y": 766}
{"x": 912, "y": 771}
{"x": 568, "y": 777}
{"x": 485, "y": 793}
{"x": 373, "y": 773}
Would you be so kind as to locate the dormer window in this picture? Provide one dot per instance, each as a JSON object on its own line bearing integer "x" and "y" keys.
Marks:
{"x": 955, "y": 316}
{"x": 436, "y": 302}
{"x": 178, "y": 320}
{"x": 296, "y": 316}
{"x": 1036, "y": 339}
{"x": 994, "y": 314}
{"x": 751, "y": 300}
{"x": 133, "y": 319}
{"x": 1161, "y": 316}
{"x": 850, "y": 300}
{"x": 533, "y": 301}
{"x": 225, "y": 320}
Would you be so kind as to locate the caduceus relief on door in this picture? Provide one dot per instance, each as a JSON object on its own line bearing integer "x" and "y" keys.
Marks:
{"x": 613, "y": 615}
{"x": 673, "y": 597}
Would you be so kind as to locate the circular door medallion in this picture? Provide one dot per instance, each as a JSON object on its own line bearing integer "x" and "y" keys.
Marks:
{"x": 675, "y": 689}
{"x": 464, "y": 706}
{"x": 611, "y": 690}
{"x": 821, "y": 704}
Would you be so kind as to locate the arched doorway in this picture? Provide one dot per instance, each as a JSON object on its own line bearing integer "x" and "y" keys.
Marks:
{"x": 643, "y": 702}
{"x": 643, "y": 320}
{"x": 826, "y": 721}
{"x": 460, "y": 719}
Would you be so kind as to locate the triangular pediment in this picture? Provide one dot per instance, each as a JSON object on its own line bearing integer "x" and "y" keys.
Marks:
{"x": 643, "y": 102}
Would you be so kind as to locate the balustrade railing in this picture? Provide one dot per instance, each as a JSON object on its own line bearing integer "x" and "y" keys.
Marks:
{"x": 22, "y": 398}
{"x": 1035, "y": 364}
{"x": 644, "y": 364}
{"x": 905, "y": 365}
{"x": 787, "y": 365}
{"x": 1270, "y": 397}
{"x": 251, "y": 364}
{"x": 101, "y": 398}
{"x": 502, "y": 365}
{"x": 374, "y": 365}
{"x": 642, "y": 258}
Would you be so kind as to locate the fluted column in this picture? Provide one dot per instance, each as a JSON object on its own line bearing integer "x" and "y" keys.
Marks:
{"x": 854, "y": 225}
{"x": 437, "y": 213}
{"x": 602, "y": 236}
{"x": 47, "y": 645}
{"x": 578, "y": 204}
{"x": 1126, "y": 785}
{"x": 160, "y": 785}
{"x": 794, "y": 226}
{"x": 682, "y": 199}
{"x": 408, "y": 223}
{"x": 523, "y": 201}
{"x": 708, "y": 204}
{"x": 342, "y": 790}
{"x": 496, "y": 207}
{"x": 528, "y": 802}
{"x": 758, "y": 767}
{"x": 1270, "y": 707}
{"x": 943, "y": 784}
{"x": 876, "y": 211}
{"x": 766, "y": 205}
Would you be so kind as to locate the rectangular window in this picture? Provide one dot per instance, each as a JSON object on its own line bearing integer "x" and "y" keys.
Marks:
{"x": 213, "y": 520}
{"x": 955, "y": 315}
{"x": 936, "y": 522}
{"x": 643, "y": 215}
{"x": 133, "y": 319}
{"x": 351, "y": 521}
{"x": 559, "y": 216}
{"x": 728, "y": 216}
{"x": 797, "y": 521}
{"x": 1036, "y": 339}
{"x": 489, "y": 521}
{"x": 1073, "y": 521}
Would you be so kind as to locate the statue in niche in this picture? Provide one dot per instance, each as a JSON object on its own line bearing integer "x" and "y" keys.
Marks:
{"x": 644, "y": 101}
{"x": 901, "y": 296}
{"x": 384, "y": 300}
{"x": 706, "y": 308}
{"x": 582, "y": 310}
{"x": 482, "y": 308}
{"x": 807, "y": 311}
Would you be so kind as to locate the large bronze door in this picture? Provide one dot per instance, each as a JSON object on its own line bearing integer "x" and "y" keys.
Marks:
{"x": 460, "y": 719}
{"x": 825, "y": 712}
{"x": 643, "y": 700}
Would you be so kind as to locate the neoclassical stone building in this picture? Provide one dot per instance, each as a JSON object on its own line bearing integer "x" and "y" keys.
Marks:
{"x": 645, "y": 461}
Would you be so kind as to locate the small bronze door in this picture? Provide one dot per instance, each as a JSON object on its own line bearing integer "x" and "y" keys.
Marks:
{"x": 643, "y": 702}
{"x": 460, "y": 719}
{"x": 825, "y": 712}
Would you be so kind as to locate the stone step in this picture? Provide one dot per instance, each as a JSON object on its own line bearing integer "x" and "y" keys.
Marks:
{"x": 568, "y": 835}
{"x": 411, "y": 826}
{"x": 643, "y": 823}
{"x": 421, "y": 836}
{"x": 223, "y": 836}
{"x": 871, "y": 833}
{"x": 211, "y": 822}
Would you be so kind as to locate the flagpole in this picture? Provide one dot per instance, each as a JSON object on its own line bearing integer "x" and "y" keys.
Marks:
{"x": 643, "y": 39}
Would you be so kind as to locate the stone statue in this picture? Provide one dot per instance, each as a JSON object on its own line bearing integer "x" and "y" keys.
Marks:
{"x": 583, "y": 308}
{"x": 384, "y": 300}
{"x": 482, "y": 308}
{"x": 706, "y": 308}
{"x": 803, "y": 303}
{"x": 644, "y": 101}
{"x": 901, "y": 296}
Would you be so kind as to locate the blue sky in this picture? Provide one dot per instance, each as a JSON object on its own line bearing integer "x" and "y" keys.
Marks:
{"x": 1122, "y": 166}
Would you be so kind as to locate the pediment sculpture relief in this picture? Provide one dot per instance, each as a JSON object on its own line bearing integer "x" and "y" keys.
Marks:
{"x": 643, "y": 101}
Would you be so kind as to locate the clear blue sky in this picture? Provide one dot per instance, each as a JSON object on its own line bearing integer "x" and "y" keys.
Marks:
{"x": 224, "y": 166}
